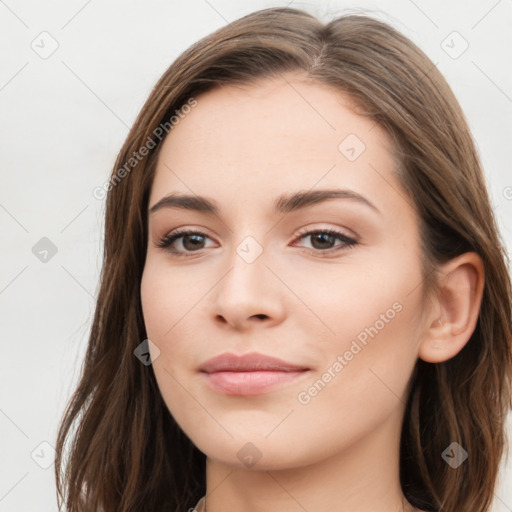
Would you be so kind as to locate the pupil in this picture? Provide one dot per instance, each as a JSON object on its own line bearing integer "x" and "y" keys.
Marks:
{"x": 194, "y": 240}
{"x": 325, "y": 237}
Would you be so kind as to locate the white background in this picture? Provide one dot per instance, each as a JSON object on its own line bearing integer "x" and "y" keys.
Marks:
{"x": 65, "y": 117}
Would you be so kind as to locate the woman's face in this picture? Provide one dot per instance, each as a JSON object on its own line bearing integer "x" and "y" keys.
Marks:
{"x": 343, "y": 306}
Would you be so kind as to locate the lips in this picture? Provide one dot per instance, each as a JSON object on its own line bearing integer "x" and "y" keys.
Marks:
{"x": 250, "y": 374}
{"x": 248, "y": 363}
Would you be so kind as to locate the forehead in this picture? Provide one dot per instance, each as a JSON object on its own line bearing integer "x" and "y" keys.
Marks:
{"x": 258, "y": 140}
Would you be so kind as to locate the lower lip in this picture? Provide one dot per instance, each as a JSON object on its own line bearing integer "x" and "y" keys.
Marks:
{"x": 250, "y": 383}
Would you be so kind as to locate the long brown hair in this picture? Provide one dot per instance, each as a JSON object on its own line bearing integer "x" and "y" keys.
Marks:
{"x": 124, "y": 452}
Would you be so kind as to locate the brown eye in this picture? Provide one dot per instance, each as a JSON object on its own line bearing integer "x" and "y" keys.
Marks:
{"x": 191, "y": 241}
{"x": 324, "y": 240}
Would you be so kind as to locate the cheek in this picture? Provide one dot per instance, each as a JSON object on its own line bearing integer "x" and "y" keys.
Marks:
{"x": 362, "y": 383}
{"x": 167, "y": 306}
{"x": 371, "y": 345}
{"x": 150, "y": 295}
{"x": 353, "y": 301}
{"x": 167, "y": 298}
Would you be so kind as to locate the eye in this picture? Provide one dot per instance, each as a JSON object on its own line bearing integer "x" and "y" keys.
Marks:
{"x": 323, "y": 241}
{"x": 190, "y": 240}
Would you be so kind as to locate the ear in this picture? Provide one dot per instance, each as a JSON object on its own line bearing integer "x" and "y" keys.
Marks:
{"x": 453, "y": 317}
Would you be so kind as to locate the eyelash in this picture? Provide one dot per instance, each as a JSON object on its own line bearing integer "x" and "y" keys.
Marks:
{"x": 169, "y": 239}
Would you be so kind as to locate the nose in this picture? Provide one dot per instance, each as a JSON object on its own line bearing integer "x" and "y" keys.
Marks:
{"x": 249, "y": 294}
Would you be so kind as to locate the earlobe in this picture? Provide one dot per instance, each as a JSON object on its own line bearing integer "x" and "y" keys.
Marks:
{"x": 453, "y": 318}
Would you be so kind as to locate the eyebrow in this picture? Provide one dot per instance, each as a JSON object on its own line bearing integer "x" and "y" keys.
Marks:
{"x": 283, "y": 204}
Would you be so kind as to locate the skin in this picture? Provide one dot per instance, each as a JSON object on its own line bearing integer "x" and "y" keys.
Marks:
{"x": 243, "y": 147}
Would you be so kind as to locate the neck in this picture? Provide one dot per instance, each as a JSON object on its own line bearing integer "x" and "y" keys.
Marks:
{"x": 364, "y": 477}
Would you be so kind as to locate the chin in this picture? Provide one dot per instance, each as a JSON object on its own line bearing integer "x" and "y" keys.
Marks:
{"x": 257, "y": 452}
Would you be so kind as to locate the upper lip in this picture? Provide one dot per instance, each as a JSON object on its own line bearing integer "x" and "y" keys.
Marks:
{"x": 228, "y": 362}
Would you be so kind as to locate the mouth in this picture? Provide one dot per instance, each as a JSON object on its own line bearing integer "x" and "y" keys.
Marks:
{"x": 250, "y": 374}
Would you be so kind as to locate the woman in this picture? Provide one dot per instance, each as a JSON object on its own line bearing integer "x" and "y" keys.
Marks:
{"x": 304, "y": 302}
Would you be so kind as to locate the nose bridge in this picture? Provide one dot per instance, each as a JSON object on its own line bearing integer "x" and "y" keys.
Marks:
{"x": 247, "y": 264}
{"x": 246, "y": 290}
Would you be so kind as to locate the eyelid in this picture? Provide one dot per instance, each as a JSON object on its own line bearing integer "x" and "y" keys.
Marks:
{"x": 342, "y": 231}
